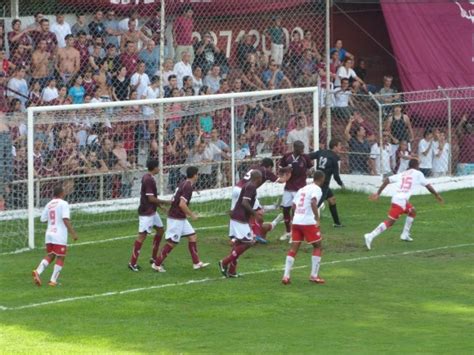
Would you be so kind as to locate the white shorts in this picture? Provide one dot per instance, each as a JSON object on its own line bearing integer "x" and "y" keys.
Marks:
{"x": 287, "y": 198}
{"x": 240, "y": 231}
{"x": 235, "y": 196}
{"x": 177, "y": 228}
{"x": 146, "y": 223}
{"x": 277, "y": 53}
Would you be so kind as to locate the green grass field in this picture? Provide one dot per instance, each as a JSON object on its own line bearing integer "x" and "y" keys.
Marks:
{"x": 398, "y": 298}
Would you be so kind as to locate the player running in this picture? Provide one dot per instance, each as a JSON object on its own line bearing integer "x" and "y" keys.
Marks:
{"x": 299, "y": 163}
{"x": 147, "y": 216}
{"x": 305, "y": 227}
{"x": 177, "y": 225}
{"x": 239, "y": 228}
{"x": 407, "y": 183}
{"x": 58, "y": 216}
{"x": 327, "y": 160}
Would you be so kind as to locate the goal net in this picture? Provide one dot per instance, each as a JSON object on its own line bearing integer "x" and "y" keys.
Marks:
{"x": 98, "y": 153}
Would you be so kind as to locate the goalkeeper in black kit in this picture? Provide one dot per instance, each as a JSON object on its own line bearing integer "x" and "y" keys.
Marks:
{"x": 327, "y": 160}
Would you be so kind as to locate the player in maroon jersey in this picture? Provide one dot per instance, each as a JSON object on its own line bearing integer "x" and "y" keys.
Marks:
{"x": 147, "y": 216}
{"x": 300, "y": 164}
{"x": 177, "y": 225}
{"x": 265, "y": 168}
{"x": 239, "y": 227}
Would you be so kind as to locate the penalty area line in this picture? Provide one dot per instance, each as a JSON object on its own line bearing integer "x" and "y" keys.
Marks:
{"x": 209, "y": 279}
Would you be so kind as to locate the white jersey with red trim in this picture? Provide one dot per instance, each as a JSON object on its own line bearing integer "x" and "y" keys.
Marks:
{"x": 54, "y": 213}
{"x": 303, "y": 212}
{"x": 407, "y": 183}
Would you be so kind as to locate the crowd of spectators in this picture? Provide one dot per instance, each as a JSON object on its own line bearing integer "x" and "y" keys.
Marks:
{"x": 107, "y": 59}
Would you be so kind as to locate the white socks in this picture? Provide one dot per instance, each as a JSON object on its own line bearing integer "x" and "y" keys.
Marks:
{"x": 377, "y": 231}
{"x": 408, "y": 224}
{"x": 288, "y": 265}
{"x": 42, "y": 265}
{"x": 315, "y": 261}
{"x": 56, "y": 271}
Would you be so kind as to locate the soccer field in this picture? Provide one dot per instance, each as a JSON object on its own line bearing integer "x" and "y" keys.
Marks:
{"x": 399, "y": 297}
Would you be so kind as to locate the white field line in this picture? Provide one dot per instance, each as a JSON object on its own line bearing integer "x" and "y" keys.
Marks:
{"x": 19, "y": 251}
{"x": 23, "y": 250}
{"x": 208, "y": 279}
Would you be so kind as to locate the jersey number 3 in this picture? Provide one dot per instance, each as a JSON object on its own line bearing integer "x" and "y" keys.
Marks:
{"x": 322, "y": 163}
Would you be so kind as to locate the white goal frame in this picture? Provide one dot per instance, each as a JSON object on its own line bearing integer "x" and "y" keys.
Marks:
{"x": 31, "y": 111}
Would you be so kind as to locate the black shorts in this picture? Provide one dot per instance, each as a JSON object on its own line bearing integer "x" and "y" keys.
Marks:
{"x": 327, "y": 193}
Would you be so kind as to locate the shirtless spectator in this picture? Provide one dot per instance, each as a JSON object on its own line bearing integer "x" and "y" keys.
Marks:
{"x": 40, "y": 63}
{"x": 102, "y": 79}
{"x": 132, "y": 35}
{"x": 43, "y": 33}
{"x": 130, "y": 58}
{"x": 69, "y": 60}
{"x": 80, "y": 25}
{"x": 61, "y": 29}
{"x": 97, "y": 27}
{"x": 183, "y": 34}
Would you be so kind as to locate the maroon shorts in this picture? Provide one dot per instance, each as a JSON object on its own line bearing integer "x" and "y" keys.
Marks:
{"x": 56, "y": 249}
{"x": 309, "y": 233}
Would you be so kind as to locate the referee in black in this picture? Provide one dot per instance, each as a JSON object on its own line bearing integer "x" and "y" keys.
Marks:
{"x": 327, "y": 160}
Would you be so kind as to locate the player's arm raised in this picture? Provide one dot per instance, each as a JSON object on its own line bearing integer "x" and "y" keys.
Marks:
{"x": 375, "y": 196}
{"x": 70, "y": 230}
{"x": 185, "y": 208}
{"x": 435, "y": 193}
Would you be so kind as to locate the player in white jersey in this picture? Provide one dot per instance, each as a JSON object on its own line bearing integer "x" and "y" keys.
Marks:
{"x": 305, "y": 227}
{"x": 58, "y": 216}
{"x": 407, "y": 183}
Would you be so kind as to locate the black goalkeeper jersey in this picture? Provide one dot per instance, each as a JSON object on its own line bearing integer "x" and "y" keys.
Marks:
{"x": 328, "y": 162}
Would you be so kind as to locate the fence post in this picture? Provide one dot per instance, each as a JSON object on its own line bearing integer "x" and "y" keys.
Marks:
{"x": 31, "y": 181}
{"x": 328, "y": 71}
{"x": 101, "y": 188}
{"x": 38, "y": 190}
{"x": 450, "y": 155}
{"x": 316, "y": 119}
{"x": 232, "y": 139}
{"x": 380, "y": 108}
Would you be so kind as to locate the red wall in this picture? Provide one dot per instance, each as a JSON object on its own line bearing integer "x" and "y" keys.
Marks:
{"x": 371, "y": 19}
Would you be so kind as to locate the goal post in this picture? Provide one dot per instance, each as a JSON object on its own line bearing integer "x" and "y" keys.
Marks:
{"x": 280, "y": 106}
